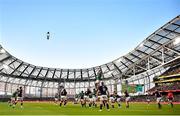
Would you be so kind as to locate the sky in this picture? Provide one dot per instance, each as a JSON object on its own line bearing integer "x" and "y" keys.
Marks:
{"x": 83, "y": 33}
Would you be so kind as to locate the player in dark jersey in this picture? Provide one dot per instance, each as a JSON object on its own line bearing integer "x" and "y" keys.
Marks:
{"x": 158, "y": 98}
{"x": 117, "y": 99}
{"x": 103, "y": 91}
{"x": 20, "y": 96}
{"x": 63, "y": 97}
{"x": 170, "y": 98}
{"x": 127, "y": 98}
{"x": 13, "y": 100}
{"x": 86, "y": 96}
{"x": 81, "y": 96}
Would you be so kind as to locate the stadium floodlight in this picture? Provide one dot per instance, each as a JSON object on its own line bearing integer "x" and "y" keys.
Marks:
{"x": 5, "y": 66}
{"x": 2, "y": 51}
{"x": 177, "y": 40}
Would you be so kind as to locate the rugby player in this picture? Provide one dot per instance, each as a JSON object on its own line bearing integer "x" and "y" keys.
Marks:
{"x": 158, "y": 98}
{"x": 86, "y": 96}
{"x": 103, "y": 91}
{"x": 63, "y": 97}
{"x": 56, "y": 98}
{"x": 81, "y": 95}
{"x": 13, "y": 99}
{"x": 117, "y": 99}
{"x": 94, "y": 97}
{"x": 20, "y": 96}
{"x": 127, "y": 98}
{"x": 170, "y": 98}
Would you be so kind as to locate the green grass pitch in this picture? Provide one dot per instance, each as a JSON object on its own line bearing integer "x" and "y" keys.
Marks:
{"x": 75, "y": 109}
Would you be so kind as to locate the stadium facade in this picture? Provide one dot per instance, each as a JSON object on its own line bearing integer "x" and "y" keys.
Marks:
{"x": 149, "y": 59}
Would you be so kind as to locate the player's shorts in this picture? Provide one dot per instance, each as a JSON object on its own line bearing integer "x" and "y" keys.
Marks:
{"x": 158, "y": 99}
{"x": 82, "y": 100}
{"x": 63, "y": 98}
{"x": 56, "y": 99}
{"x": 94, "y": 99}
{"x": 111, "y": 99}
{"x": 148, "y": 100}
{"x": 127, "y": 99}
{"x": 20, "y": 98}
{"x": 13, "y": 98}
{"x": 86, "y": 97}
{"x": 118, "y": 100}
{"x": 103, "y": 97}
{"x": 91, "y": 99}
{"x": 170, "y": 99}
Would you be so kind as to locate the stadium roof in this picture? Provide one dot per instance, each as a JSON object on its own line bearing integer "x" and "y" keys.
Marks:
{"x": 158, "y": 49}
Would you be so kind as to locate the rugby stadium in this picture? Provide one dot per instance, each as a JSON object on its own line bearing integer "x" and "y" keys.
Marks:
{"x": 153, "y": 64}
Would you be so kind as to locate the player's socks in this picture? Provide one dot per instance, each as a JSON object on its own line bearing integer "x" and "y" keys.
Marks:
{"x": 101, "y": 106}
{"x": 159, "y": 105}
{"x": 172, "y": 105}
{"x": 60, "y": 104}
{"x": 13, "y": 106}
{"x": 112, "y": 106}
{"x": 119, "y": 105}
{"x": 107, "y": 106}
{"x": 65, "y": 103}
{"x": 104, "y": 104}
{"x": 89, "y": 105}
{"x": 127, "y": 106}
{"x": 21, "y": 105}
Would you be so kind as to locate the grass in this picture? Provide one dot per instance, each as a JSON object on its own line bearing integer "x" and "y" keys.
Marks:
{"x": 75, "y": 109}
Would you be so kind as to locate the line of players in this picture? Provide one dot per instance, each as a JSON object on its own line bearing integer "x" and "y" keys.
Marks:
{"x": 16, "y": 97}
{"x": 100, "y": 94}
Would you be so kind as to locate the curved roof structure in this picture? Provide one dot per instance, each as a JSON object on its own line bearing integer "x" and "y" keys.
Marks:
{"x": 161, "y": 47}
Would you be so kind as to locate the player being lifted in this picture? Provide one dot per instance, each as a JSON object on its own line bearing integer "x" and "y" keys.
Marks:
{"x": 158, "y": 98}
{"x": 63, "y": 97}
{"x": 103, "y": 91}
{"x": 98, "y": 78}
{"x": 127, "y": 98}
